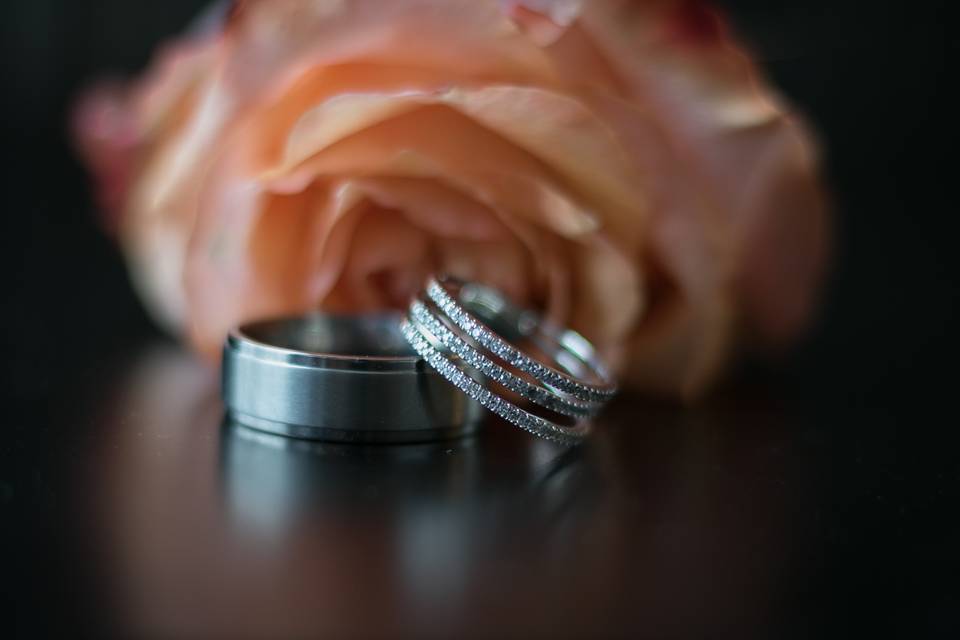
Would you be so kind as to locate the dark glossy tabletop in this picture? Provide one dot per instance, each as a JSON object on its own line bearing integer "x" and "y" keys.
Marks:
{"x": 753, "y": 515}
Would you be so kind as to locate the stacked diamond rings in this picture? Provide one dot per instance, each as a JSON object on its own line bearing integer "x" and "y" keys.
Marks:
{"x": 498, "y": 355}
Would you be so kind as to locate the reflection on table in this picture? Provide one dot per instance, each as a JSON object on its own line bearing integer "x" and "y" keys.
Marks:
{"x": 669, "y": 522}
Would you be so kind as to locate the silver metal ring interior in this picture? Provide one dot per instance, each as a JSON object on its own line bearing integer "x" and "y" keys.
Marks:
{"x": 349, "y": 378}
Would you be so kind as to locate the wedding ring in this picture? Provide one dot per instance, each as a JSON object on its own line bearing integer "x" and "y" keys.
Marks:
{"x": 590, "y": 381}
{"x": 566, "y": 405}
{"x": 537, "y": 425}
{"x": 340, "y": 378}
{"x": 462, "y": 329}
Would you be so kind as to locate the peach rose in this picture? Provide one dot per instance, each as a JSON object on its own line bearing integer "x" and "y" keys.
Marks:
{"x": 616, "y": 163}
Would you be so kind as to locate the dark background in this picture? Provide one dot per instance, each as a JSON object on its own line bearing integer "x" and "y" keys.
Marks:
{"x": 878, "y": 372}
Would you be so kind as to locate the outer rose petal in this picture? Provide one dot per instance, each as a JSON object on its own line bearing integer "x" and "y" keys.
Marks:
{"x": 274, "y": 41}
{"x": 739, "y": 147}
{"x": 132, "y": 139}
{"x": 437, "y": 142}
{"x": 557, "y": 130}
{"x": 107, "y": 136}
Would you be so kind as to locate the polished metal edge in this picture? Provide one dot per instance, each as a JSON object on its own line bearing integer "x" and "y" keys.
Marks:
{"x": 241, "y": 344}
{"x": 360, "y": 436}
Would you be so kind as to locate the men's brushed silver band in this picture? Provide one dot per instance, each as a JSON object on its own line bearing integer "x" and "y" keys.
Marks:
{"x": 340, "y": 378}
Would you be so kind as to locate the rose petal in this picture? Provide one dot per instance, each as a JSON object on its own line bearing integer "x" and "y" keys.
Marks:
{"x": 543, "y": 20}
{"x": 437, "y": 142}
{"x": 738, "y": 142}
{"x": 436, "y": 208}
{"x": 558, "y": 130}
{"x": 274, "y": 40}
{"x": 563, "y": 133}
